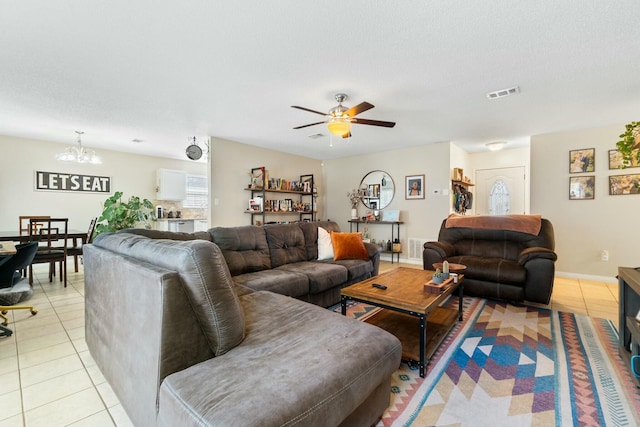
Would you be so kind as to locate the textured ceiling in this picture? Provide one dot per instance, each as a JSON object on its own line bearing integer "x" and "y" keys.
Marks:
{"x": 162, "y": 71}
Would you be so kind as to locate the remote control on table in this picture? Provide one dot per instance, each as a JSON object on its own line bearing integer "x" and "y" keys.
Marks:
{"x": 379, "y": 286}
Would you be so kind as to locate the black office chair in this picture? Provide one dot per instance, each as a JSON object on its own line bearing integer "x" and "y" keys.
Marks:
{"x": 13, "y": 287}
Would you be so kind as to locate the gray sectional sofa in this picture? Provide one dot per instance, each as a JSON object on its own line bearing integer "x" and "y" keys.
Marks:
{"x": 183, "y": 344}
{"x": 283, "y": 258}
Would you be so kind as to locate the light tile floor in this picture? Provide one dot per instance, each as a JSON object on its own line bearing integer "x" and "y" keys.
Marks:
{"x": 48, "y": 378}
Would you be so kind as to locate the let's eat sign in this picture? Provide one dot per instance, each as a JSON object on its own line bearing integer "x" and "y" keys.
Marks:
{"x": 58, "y": 181}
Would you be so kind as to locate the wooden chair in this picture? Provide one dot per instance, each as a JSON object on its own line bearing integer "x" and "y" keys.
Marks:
{"x": 25, "y": 222}
{"x": 76, "y": 250}
{"x": 52, "y": 237}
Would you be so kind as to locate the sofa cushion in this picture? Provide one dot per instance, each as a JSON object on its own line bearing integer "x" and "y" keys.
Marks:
{"x": 310, "y": 231}
{"x": 325, "y": 247}
{"x": 282, "y": 282}
{"x": 204, "y": 275}
{"x": 322, "y": 276}
{"x": 356, "y": 268}
{"x": 348, "y": 246}
{"x": 297, "y": 367}
{"x": 244, "y": 248}
{"x": 286, "y": 244}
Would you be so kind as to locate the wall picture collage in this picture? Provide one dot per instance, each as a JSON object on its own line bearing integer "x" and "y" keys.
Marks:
{"x": 582, "y": 164}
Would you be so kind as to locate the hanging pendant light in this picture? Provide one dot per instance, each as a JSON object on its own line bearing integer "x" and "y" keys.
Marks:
{"x": 79, "y": 154}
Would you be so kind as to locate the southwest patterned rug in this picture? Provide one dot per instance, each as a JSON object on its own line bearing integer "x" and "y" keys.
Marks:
{"x": 516, "y": 366}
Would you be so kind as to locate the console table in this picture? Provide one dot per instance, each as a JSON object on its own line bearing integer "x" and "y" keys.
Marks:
{"x": 629, "y": 300}
{"x": 394, "y": 235}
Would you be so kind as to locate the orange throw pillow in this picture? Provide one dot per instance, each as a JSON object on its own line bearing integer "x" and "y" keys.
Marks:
{"x": 348, "y": 246}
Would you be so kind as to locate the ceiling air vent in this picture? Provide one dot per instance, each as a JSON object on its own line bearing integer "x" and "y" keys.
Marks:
{"x": 503, "y": 92}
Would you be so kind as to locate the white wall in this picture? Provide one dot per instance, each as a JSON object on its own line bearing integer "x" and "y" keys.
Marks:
{"x": 421, "y": 217}
{"x": 231, "y": 163}
{"x": 583, "y": 228}
{"x": 130, "y": 173}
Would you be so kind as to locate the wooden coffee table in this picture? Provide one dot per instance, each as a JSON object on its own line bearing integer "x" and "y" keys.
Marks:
{"x": 411, "y": 314}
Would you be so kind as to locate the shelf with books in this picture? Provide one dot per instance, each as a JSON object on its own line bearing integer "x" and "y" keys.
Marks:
{"x": 303, "y": 204}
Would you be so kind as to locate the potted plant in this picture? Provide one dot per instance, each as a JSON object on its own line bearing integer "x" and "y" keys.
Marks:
{"x": 118, "y": 214}
{"x": 355, "y": 197}
{"x": 437, "y": 276}
{"x": 629, "y": 144}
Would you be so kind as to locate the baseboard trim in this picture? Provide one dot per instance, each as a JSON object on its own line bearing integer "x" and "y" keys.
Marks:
{"x": 606, "y": 279}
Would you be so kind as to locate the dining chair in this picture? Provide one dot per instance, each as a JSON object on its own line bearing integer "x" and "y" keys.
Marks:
{"x": 25, "y": 222}
{"x": 76, "y": 250}
{"x": 52, "y": 239}
{"x": 13, "y": 287}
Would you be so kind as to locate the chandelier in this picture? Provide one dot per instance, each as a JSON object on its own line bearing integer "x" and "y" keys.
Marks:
{"x": 79, "y": 154}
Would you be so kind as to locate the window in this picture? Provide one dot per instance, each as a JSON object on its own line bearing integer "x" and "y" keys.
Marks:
{"x": 499, "y": 202}
{"x": 197, "y": 192}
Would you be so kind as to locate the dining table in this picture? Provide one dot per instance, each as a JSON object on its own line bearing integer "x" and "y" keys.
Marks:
{"x": 17, "y": 236}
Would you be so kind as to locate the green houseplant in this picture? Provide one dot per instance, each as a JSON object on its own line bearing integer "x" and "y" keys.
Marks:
{"x": 118, "y": 214}
{"x": 629, "y": 144}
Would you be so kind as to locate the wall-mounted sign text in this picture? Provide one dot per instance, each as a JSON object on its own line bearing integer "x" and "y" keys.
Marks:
{"x": 57, "y": 181}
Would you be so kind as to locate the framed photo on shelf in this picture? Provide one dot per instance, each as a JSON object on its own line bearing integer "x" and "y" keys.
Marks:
{"x": 391, "y": 215}
{"x": 624, "y": 184}
{"x": 582, "y": 160}
{"x": 582, "y": 187}
{"x": 414, "y": 187}
{"x": 615, "y": 159}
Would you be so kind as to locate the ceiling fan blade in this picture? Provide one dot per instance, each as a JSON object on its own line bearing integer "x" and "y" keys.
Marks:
{"x": 346, "y": 135}
{"x": 360, "y": 108}
{"x": 309, "y": 110}
{"x": 310, "y": 124}
{"x": 373, "y": 122}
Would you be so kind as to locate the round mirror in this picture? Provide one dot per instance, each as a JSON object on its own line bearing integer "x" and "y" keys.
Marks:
{"x": 380, "y": 189}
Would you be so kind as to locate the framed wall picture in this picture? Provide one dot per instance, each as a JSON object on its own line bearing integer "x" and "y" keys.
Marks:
{"x": 624, "y": 184}
{"x": 615, "y": 159}
{"x": 582, "y": 187}
{"x": 414, "y": 187}
{"x": 582, "y": 160}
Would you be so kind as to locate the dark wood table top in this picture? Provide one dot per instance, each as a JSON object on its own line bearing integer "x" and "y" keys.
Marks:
{"x": 16, "y": 236}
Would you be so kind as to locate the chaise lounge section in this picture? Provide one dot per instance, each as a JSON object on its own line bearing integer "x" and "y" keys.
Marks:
{"x": 182, "y": 344}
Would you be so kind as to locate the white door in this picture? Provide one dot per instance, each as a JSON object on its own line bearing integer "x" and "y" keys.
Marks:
{"x": 500, "y": 191}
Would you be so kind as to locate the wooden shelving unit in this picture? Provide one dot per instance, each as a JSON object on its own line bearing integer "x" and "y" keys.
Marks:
{"x": 304, "y": 209}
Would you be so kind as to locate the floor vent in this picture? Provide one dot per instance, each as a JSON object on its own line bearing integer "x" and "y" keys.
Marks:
{"x": 415, "y": 247}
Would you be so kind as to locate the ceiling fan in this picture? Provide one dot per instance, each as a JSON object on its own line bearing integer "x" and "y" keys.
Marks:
{"x": 340, "y": 118}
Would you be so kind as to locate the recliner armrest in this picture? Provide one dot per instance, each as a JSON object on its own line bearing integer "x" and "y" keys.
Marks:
{"x": 443, "y": 249}
{"x": 536, "y": 253}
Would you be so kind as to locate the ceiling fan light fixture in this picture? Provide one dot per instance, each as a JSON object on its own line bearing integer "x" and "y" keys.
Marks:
{"x": 339, "y": 126}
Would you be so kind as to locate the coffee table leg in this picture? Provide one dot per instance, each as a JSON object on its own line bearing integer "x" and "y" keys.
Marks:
{"x": 423, "y": 343}
{"x": 344, "y": 306}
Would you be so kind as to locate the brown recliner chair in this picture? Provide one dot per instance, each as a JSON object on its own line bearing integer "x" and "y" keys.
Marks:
{"x": 501, "y": 263}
